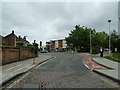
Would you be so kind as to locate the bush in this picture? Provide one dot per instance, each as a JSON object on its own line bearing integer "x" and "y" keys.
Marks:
{"x": 95, "y": 51}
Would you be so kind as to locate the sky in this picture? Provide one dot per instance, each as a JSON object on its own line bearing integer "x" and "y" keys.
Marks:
{"x": 44, "y": 21}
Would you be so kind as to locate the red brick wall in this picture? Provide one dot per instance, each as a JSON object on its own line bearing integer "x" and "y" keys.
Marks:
{"x": 9, "y": 55}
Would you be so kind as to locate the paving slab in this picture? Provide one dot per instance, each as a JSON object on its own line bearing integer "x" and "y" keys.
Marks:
{"x": 113, "y": 73}
{"x": 107, "y": 63}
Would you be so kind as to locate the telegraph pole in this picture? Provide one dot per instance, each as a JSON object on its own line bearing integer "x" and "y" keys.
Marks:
{"x": 90, "y": 43}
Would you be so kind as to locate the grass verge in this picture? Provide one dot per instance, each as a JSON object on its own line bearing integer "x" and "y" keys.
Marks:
{"x": 115, "y": 57}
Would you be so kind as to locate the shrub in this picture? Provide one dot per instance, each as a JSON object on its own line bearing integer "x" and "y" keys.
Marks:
{"x": 95, "y": 51}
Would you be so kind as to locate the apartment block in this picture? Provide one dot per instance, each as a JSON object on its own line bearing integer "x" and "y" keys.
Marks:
{"x": 57, "y": 45}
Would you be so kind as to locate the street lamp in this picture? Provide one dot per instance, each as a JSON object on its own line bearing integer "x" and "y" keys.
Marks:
{"x": 109, "y": 37}
{"x": 90, "y": 43}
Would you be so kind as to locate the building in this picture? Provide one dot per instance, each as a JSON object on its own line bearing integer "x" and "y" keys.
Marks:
{"x": 57, "y": 45}
{"x": 48, "y": 46}
{"x": 1, "y": 37}
{"x": 11, "y": 40}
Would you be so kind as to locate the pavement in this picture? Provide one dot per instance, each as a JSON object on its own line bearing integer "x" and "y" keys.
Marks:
{"x": 102, "y": 66}
{"x": 9, "y": 71}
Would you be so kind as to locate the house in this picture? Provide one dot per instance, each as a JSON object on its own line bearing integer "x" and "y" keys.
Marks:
{"x": 11, "y": 40}
{"x": 1, "y": 37}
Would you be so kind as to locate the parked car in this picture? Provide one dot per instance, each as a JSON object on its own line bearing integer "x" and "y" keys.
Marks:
{"x": 44, "y": 51}
{"x": 106, "y": 49}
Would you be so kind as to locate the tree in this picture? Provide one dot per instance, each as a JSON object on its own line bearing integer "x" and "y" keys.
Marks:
{"x": 100, "y": 39}
{"x": 80, "y": 38}
{"x": 115, "y": 41}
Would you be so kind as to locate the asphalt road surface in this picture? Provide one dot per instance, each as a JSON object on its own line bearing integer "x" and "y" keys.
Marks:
{"x": 64, "y": 71}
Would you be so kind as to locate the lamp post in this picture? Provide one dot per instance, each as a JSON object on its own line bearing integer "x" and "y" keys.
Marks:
{"x": 109, "y": 37}
{"x": 90, "y": 43}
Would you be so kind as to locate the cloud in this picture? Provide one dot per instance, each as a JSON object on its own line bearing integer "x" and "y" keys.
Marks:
{"x": 54, "y": 20}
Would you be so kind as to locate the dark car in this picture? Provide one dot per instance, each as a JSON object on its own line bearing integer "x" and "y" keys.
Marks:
{"x": 44, "y": 51}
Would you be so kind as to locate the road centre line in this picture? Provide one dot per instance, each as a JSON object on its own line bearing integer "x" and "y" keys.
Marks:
{"x": 12, "y": 68}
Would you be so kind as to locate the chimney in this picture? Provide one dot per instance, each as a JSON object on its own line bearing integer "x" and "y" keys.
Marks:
{"x": 12, "y": 31}
{"x": 19, "y": 36}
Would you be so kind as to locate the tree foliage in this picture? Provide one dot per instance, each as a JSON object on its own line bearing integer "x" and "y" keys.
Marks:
{"x": 79, "y": 38}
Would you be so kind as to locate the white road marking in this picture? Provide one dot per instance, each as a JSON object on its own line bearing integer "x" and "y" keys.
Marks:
{"x": 93, "y": 65}
{"x": 86, "y": 65}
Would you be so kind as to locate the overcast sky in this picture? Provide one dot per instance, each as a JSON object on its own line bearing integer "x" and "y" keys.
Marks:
{"x": 54, "y": 20}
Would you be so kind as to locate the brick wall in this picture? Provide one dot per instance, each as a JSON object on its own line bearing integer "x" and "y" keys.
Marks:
{"x": 9, "y": 55}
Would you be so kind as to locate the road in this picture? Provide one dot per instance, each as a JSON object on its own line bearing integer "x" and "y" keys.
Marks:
{"x": 64, "y": 71}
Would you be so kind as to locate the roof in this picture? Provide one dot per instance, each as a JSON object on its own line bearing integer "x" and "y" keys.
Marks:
{"x": 10, "y": 35}
{"x": 57, "y": 40}
{"x": 1, "y": 36}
